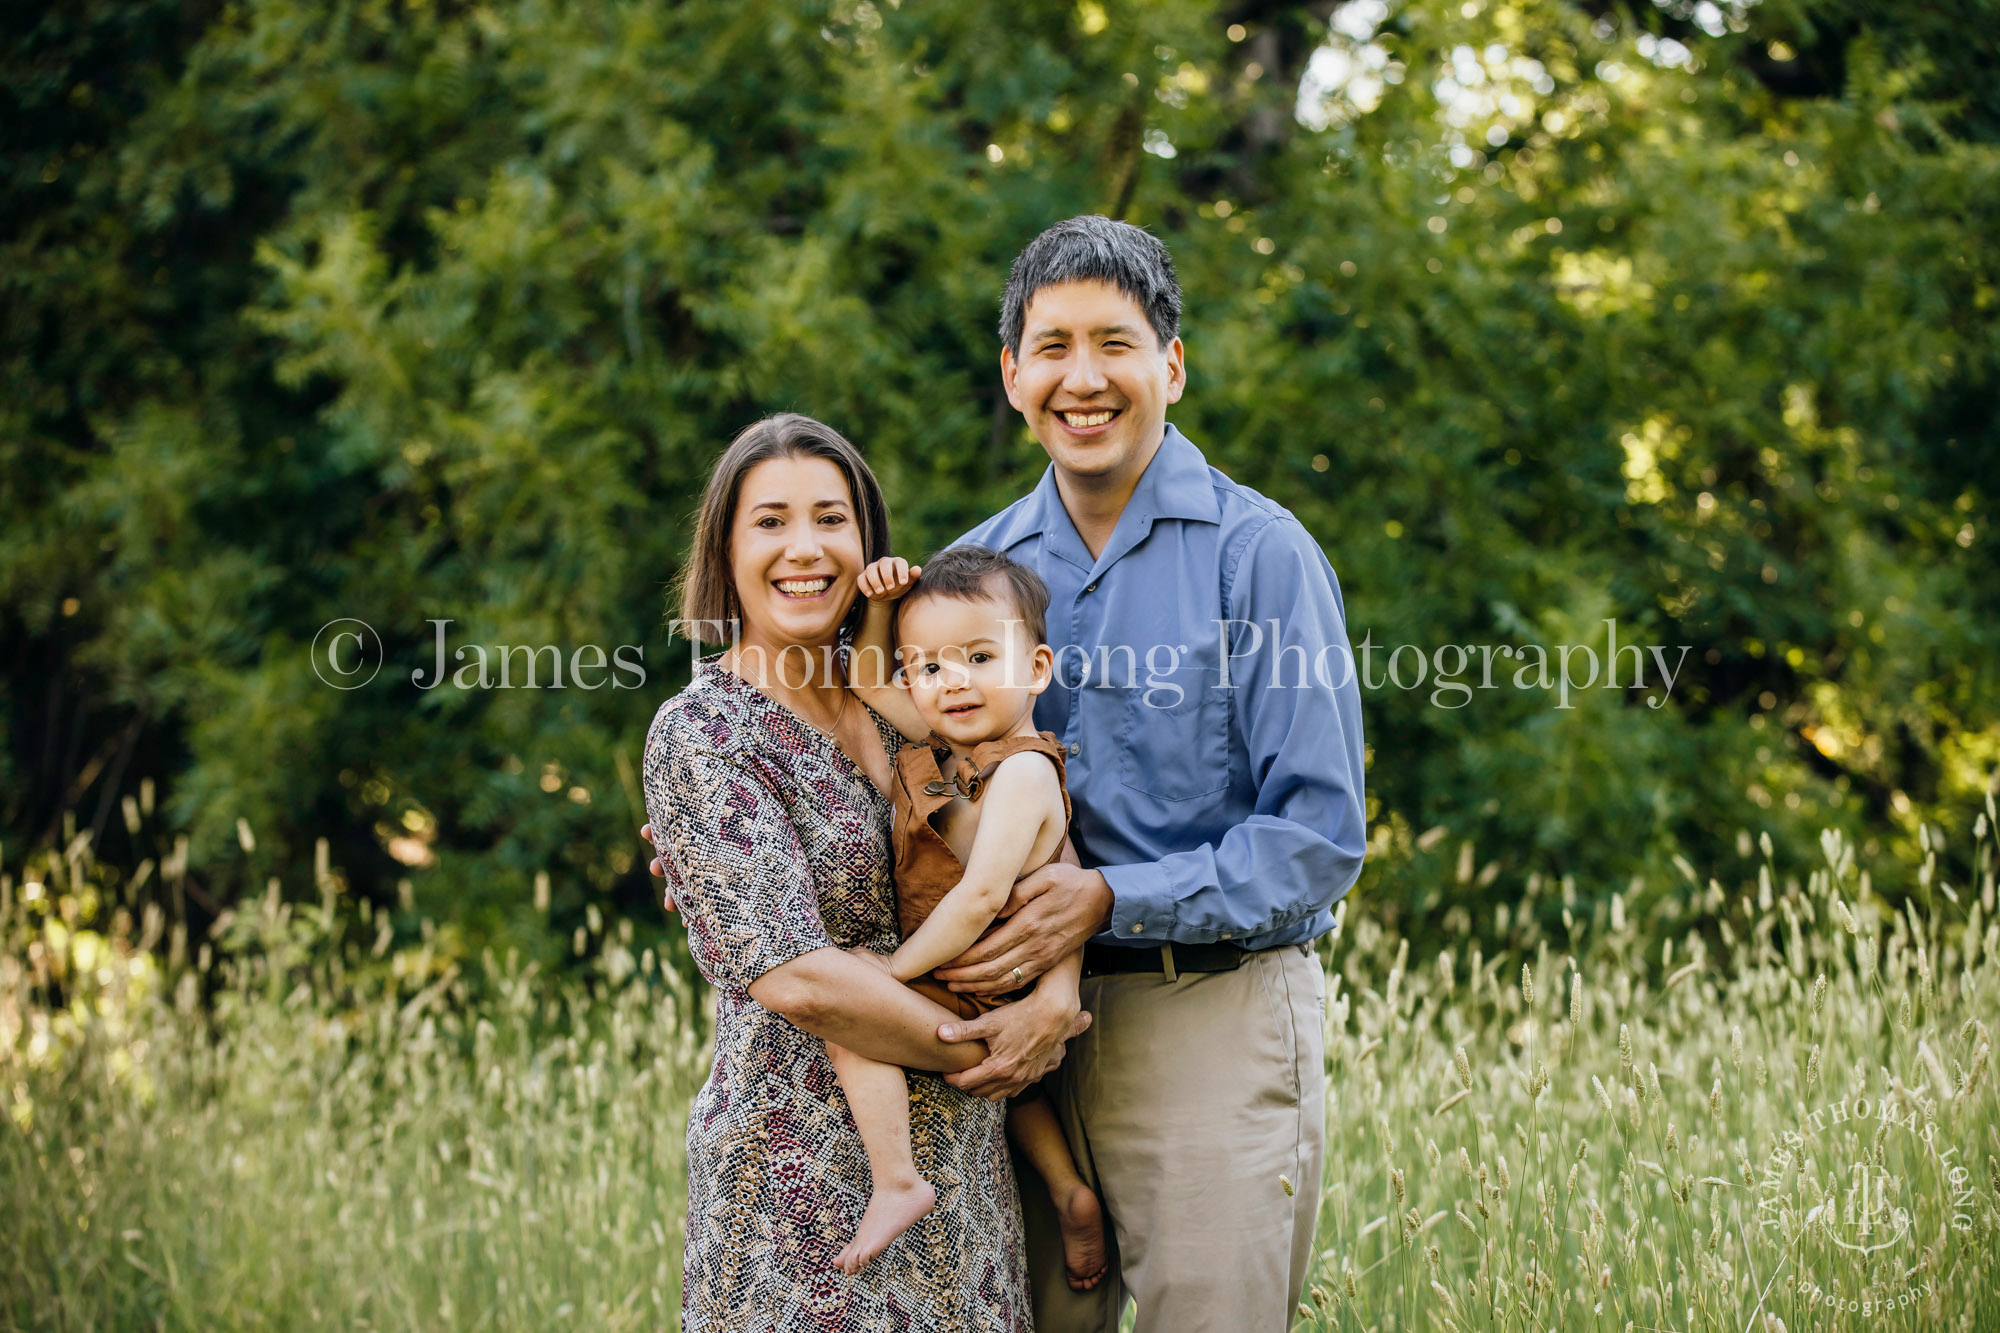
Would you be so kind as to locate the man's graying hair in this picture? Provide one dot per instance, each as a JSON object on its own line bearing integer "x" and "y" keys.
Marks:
{"x": 1094, "y": 249}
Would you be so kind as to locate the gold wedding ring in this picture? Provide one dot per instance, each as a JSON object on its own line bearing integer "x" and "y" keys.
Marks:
{"x": 1018, "y": 978}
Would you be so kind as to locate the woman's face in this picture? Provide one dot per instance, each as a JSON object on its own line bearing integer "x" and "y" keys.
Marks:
{"x": 794, "y": 551}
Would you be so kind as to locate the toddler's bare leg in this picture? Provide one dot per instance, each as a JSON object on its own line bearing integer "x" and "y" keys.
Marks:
{"x": 1033, "y": 1124}
{"x": 879, "y": 1097}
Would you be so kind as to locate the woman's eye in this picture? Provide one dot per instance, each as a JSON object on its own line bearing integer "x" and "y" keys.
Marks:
{"x": 768, "y": 521}
{"x": 834, "y": 518}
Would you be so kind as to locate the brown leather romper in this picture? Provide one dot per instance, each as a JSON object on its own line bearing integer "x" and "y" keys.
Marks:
{"x": 926, "y": 867}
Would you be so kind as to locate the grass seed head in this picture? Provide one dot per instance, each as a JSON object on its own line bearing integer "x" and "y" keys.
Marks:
{"x": 1464, "y": 1066}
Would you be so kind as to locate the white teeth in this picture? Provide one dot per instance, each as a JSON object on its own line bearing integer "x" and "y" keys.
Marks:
{"x": 1082, "y": 420}
{"x": 804, "y": 587}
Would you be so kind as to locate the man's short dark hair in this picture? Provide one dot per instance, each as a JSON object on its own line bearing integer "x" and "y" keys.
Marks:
{"x": 966, "y": 573}
{"x": 1094, "y": 249}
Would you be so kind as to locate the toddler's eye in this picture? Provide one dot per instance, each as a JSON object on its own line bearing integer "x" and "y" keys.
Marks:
{"x": 929, "y": 668}
{"x": 977, "y": 658}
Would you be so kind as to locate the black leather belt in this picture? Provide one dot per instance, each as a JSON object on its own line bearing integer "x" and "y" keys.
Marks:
{"x": 1167, "y": 959}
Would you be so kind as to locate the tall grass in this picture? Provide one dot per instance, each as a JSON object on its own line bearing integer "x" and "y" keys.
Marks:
{"x": 1654, "y": 1118}
{"x": 264, "y": 1137}
{"x": 1641, "y": 1115}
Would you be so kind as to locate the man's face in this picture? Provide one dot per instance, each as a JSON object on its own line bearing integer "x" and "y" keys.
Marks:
{"x": 1092, "y": 380}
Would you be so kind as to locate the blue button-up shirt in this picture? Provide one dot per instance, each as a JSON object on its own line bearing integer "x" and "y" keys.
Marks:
{"x": 1206, "y": 690}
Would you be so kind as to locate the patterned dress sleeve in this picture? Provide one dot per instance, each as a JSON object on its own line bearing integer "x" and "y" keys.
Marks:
{"x": 744, "y": 888}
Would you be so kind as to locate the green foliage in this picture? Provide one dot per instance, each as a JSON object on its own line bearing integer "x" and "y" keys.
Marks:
{"x": 410, "y": 312}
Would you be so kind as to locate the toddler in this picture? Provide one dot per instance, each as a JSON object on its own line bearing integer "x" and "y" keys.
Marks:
{"x": 979, "y": 802}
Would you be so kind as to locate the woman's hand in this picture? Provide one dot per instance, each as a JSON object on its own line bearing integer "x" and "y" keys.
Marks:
{"x": 1024, "y": 1040}
{"x": 888, "y": 579}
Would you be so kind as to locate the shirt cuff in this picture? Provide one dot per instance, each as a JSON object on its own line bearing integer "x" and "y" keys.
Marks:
{"x": 1142, "y": 902}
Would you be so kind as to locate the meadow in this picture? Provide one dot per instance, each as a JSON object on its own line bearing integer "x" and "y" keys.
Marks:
{"x": 1763, "y": 1104}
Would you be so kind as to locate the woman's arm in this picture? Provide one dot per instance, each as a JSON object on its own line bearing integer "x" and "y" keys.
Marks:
{"x": 1022, "y": 796}
{"x": 857, "y": 1004}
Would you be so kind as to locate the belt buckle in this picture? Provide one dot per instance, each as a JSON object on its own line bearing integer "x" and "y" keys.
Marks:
{"x": 1167, "y": 961}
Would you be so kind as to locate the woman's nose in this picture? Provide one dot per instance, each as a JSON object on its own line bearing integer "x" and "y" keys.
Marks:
{"x": 804, "y": 545}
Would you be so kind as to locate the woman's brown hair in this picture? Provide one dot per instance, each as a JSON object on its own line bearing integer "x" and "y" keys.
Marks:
{"x": 705, "y": 589}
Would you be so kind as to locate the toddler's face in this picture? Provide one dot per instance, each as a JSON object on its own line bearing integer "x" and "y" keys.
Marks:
{"x": 970, "y": 667}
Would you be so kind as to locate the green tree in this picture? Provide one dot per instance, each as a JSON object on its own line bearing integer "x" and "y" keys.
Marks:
{"x": 1539, "y": 315}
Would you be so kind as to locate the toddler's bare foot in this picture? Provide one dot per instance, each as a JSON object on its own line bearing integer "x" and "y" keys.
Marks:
{"x": 1082, "y": 1220}
{"x": 890, "y": 1213}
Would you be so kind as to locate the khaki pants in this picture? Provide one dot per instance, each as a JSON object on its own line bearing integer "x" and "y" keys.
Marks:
{"x": 1190, "y": 1105}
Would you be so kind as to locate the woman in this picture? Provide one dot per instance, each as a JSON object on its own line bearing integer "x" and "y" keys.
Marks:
{"x": 765, "y": 782}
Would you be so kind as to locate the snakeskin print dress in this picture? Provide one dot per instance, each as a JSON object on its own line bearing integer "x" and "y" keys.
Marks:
{"x": 775, "y": 845}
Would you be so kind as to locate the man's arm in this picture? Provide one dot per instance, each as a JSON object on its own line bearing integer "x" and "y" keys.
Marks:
{"x": 1301, "y": 847}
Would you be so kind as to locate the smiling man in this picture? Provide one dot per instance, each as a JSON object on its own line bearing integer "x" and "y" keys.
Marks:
{"x": 1218, "y": 808}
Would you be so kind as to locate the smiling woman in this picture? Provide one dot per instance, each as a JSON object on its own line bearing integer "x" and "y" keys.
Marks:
{"x": 765, "y": 786}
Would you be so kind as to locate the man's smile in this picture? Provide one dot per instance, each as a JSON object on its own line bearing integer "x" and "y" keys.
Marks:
{"x": 1088, "y": 421}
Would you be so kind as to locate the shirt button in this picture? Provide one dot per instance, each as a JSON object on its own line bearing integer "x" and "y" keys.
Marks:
{"x": 1225, "y": 934}
{"x": 1075, "y": 750}
{"x": 1138, "y": 926}
{"x": 1090, "y": 587}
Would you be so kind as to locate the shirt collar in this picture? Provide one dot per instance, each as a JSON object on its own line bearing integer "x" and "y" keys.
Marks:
{"x": 1175, "y": 484}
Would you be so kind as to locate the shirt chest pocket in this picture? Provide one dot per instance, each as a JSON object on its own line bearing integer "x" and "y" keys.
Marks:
{"x": 1174, "y": 735}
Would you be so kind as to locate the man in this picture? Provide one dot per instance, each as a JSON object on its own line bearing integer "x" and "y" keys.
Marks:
{"x": 1206, "y": 693}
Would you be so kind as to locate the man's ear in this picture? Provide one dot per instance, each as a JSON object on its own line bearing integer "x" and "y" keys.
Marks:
{"x": 1009, "y": 370}
{"x": 1176, "y": 355}
{"x": 1044, "y": 660}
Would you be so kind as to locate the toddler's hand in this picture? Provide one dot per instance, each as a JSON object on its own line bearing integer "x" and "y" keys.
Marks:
{"x": 867, "y": 954}
{"x": 888, "y": 578}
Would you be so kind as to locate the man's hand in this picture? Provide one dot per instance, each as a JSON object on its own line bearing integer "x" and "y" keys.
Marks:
{"x": 656, "y": 865}
{"x": 888, "y": 579}
{"x": 1050, "y": 913}
{"x": 1024, "y": 1042}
